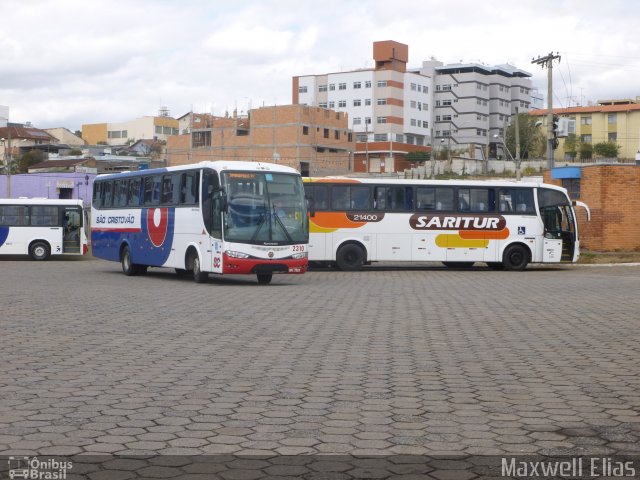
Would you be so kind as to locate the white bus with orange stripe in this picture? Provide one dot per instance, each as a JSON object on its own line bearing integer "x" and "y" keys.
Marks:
{"x": 504, "y": 224}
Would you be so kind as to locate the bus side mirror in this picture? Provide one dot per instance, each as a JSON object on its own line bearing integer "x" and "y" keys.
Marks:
{"x": 311, "y": 206}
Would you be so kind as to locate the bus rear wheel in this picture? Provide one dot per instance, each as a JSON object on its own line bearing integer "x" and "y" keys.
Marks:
{"x": 39, "y": 251}
{"x": 350, "y": 257}
{"x": 515, "y": 258}
{"x": 198, "y": 275}
{"x": 264, "y": 278}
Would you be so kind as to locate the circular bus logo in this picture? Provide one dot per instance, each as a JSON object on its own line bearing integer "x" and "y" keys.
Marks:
{"x": 157, "y": 222}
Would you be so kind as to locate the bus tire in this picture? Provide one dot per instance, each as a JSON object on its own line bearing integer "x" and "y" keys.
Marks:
{"x": 129, "y": 268}
{"x": 39, "y": 250}
{"x": 198, "y": 275}
{"x": 350, "y": 257}
{"x": 264, "y": 278}
{"x": 458, "y": 264}
{"x": 515, "y": 258}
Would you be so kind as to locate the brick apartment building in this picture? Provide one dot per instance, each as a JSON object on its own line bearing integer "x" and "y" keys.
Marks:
{"x": 611, "y": 192}
{"x": 313, "y": 140}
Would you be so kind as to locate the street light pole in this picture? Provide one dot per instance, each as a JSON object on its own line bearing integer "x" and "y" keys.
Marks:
{"x": 514, "y": 160}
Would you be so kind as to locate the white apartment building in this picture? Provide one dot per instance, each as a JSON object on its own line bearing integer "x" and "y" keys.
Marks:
{"x": 473, "y": 103}
{"x": 389, "y": 109}
{"x": 393, "y": 111}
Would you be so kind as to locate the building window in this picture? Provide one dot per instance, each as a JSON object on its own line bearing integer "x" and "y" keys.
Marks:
{"x": 332, "y": 104}
{"x": 302, "y": 89}
{"x": 361, "y": 137}
{"x": 380, "y": 137}
{"x": 446, "y": 118}
{"x": 446, "y": 87}
{"x": 425, "y": 107}
{"x": 413, "y": 122}
{"x": 613, "y": 136}
{"x": 336, "y": 134}
{"x": 305, "y": 130}
{"x": 425, "y": 124}
{"x": 585, "y": 121}
{"x": 357, "y": 85}
{"x": 382, "y": 101}
{"x": 322, "y": 104}
{"x": 446, "y": 103}
{"x": 573, "y": 187}
{"x": 612, "y": 118}
{"x": 326, "y": 133}
{"x": 367, "y": 120}
{"x": 367, "y": 84}
{"x": 382, "y": 83}
{"x": 342, "y": 86}
{"x": 357, "y": 120}
{"x": 322, "y": 88}
{"x": 357, "y": 103}
{"x": 332, "y": 87}
{"x": 381, "y": 119}
{"x": 342, "y": 103}
{"x": 367, "y": 101}
{"x": 413, "y": 104}
{"x": 586, "y": 138}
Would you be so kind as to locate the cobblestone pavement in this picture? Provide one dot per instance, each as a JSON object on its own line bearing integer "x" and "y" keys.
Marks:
{"x": 403, "y": 360}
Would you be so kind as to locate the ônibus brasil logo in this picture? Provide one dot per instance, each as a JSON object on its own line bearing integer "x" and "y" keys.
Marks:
{"x": 33, "y": 468}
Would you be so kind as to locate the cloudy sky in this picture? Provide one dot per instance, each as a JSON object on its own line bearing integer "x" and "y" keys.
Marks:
{"x": 69, "y": 62}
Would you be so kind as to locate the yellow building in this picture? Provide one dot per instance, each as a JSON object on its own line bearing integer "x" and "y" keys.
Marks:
{"x": 145, "y": 128}
{"x": 613, "y": 120}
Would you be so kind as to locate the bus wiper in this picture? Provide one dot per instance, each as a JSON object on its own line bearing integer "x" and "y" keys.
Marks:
{"x": 284, "y": 229}
{"x": 263, "y": 217}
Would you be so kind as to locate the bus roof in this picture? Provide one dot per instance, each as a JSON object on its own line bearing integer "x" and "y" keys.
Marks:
{"x": 39, "y": 201}
{"x": 218, "y": 165}
{"x": 441, "y": 183}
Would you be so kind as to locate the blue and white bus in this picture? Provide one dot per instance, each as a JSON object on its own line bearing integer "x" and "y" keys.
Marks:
{"x": 222, "y": 217}
{"x": 41, "y": 227}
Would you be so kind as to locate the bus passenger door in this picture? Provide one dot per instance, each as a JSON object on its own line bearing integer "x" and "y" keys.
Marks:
{"x": 552, "y": 245}
{"x": 72, "y": 223}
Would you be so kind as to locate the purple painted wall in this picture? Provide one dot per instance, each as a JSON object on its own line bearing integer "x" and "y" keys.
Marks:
{"x": 49, "y": 185}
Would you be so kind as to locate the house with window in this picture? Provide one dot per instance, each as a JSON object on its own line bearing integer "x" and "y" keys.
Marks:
{"x": 609, "y": 121}
{"x": 125, "y": 133}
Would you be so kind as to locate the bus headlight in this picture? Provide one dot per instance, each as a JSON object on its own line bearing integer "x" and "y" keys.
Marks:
{"x": 299, "y": 255}
{"x": 232, "y": 254}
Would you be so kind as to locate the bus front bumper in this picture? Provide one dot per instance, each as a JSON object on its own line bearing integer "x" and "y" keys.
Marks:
{"x": 240, "y": 266}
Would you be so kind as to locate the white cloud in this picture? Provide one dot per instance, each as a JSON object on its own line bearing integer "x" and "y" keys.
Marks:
{"x": 68, "y": 62}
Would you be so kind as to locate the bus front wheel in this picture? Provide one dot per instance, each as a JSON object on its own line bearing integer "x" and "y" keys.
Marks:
{"x": 129, "y": 268}
{"x": 198, "y": 275}
{"x": 350, "y": 257}
{"x": 264, "y": 278}
{"x": 515, "y": 258}
{"x": 39, "y": 251}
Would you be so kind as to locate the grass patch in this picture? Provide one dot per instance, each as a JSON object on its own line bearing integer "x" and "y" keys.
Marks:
{"x": 609, "y": 257}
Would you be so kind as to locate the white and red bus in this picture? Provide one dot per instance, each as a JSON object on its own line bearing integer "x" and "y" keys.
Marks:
{"x": 505, "y": 224}
{"x": 220, "y": 217}
{"x": 41, "y": 227}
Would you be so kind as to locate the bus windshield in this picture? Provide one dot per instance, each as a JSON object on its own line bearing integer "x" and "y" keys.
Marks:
{"x": 264, "y": 207}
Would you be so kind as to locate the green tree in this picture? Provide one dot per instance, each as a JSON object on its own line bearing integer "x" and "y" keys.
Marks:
{"x": 28, "y": 159}
{"x": 606, "y": 149}
{"x": 572, "y": 145}
{"x": 532, "y": 138}
{"x": 586, "y": 151}
{"x": 417, "y": 157}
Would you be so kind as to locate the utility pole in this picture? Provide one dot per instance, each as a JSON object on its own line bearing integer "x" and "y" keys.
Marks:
{"x": 518, "y": 173}
{"x": 547, "y": 61}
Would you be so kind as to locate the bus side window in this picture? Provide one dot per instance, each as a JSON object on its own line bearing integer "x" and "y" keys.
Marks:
{"x": 189, "y": 188}
{"x": 148, "y": 190}
{"x": 107, "y": 194}
{"x": 340, "y": 197}
{"x": 380, "y": 198}
{"x": 320, "y": 195}
{"x": 360, "y": 198}
{"x": 425, "y": 198}
{"x": 134, "y": 192}
{"x": 97, "y": 197}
